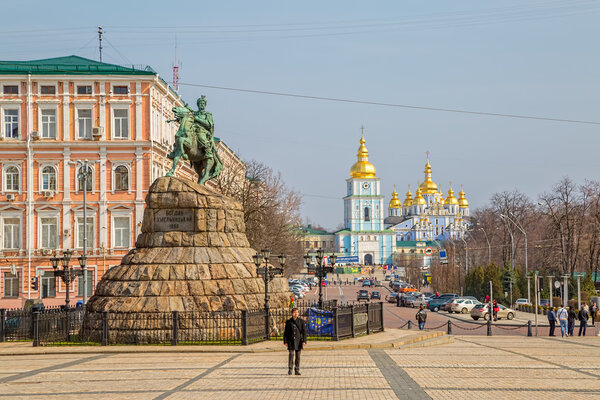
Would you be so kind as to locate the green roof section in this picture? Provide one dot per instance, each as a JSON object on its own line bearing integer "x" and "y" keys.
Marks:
{"x": 309, "y": 230}
{"x": 70, "y": 65}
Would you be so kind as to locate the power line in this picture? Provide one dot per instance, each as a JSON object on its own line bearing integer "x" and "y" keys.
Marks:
{"x": 413, "y": 107}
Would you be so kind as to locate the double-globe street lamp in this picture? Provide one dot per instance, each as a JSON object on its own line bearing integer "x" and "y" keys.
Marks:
{"x": 320, "y": 270}
{"x": 268, "y": 273}
{"x": 67, "y": 273}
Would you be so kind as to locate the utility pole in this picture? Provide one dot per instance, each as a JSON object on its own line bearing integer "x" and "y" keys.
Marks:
{"x": 565, "y": 290}
{"x": 489, "y": 246}
{"x": 535, "y": 289}
{"x": 550, "y": 278}
{"x": 579, "y": 292}
{"x": 100, "y": 32}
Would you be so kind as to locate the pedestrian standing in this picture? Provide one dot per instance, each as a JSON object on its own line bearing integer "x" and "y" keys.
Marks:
{"x": 583, "y": 319}
{"x": 572, "y": 316}
{"x": 495, "y": 310}
{"x": 397, "y": 299}
{"x": 294, "y": 338}
{"x": 593, "y": 312}
{"x": 563, "y": 318}
{"x": 421, "y": 317}
{"x": 551, "y": 320}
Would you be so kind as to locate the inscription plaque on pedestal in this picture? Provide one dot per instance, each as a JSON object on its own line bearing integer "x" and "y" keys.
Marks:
{"x": 167, "y": 220}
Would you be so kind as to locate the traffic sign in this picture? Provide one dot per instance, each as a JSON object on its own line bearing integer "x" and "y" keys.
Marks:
{"x": 557, "y": 284}
{"x": 428, "y": 251}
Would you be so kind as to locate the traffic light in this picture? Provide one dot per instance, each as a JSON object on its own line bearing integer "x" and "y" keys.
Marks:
{"x": 34, "y": 283}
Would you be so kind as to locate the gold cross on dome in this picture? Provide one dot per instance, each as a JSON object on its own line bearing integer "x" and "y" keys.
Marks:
{"x": 362, "y": 130}
{"x": 427, "y": 152}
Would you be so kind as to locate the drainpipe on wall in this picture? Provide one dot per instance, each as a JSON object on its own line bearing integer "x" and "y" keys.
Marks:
{"x": 29, "y": 215}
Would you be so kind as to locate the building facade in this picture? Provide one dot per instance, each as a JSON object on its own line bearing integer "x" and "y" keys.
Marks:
{"x": 54, "y": 114}
{"x": 428, "y": 216}
{"x": 364, "y": 234}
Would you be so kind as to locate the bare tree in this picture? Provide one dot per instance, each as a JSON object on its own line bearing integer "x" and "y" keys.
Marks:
{"x": 271, "y": 211}
{"x": 566, "y": 205}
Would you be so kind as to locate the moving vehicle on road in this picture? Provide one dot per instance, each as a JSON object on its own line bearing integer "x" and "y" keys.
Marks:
{"x": 463, "y": 306}
{"x": 481, "y": 311}
{"x": 363, "y": 295}
{"x": 375, "y": 295}
{"x": 366, "y": 282}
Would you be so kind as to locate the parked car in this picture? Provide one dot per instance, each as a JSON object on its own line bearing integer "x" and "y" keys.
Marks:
{"x": 388, "y": 277}
{"x": 366, "y": 282}
{"x": 375, "y": 295}
{"x": 448, "y": 306}
{"x": 481, "y": 311}
{"x": 409, "y": 299}
{"x": 545, "y": 302}
{"x": 363, "y": 295}
{"x": 391, "y": 298}
{"x": 421, "y": 301}
{"x": 437, "y": 302}
{"x": 463, "y": 306}
{"x": 523, "y": 302}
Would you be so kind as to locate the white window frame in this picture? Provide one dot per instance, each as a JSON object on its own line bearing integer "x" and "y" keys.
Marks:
{"x": 15, "y": 215}
{"x": 127, "y": 85}
{"x": 5, "y": 181}
{"x": 20, "y": 282}
{"x": 93, "y": 270}
{"x": 41, "y": 109}
{"x": 17, "y": 84}
{"x": 11, "y": 107}
{"x": 114, "y": 176}
{"x": 112, "y": 233}
{"x": 91, "y": 243}
{"x": 78, "y": 109}
{"x": 41, "y": 176}
{"x": 48, "y": 214}
{"x": 76, "y": 87}
{"x": 40, "y": 84}
{"x": 77, "y": 188}
{"x": 115, "y": 107}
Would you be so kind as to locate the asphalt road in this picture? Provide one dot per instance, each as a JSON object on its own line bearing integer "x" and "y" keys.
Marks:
{"x": 462, "y": 324}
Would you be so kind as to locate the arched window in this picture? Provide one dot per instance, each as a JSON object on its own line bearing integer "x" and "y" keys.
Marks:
{"x": 48, "y": 178}
{"x": 121, "y": 178}
{"x": 12, "y": 178}
{"x": 81, "y": 175}
{"x": 367, "y": 214}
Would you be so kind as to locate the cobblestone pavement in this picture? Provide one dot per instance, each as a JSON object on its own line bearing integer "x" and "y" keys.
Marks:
{"x": 473, "y": 367}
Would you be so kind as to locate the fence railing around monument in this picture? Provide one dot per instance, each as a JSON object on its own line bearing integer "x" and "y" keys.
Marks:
{"x": 75, "y": 326}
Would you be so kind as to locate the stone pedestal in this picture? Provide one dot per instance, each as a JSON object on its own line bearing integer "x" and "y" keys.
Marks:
{"x": 192, "y": 255}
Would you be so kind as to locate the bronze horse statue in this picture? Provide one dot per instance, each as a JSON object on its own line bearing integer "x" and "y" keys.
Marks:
{"x": 194, "y": 142}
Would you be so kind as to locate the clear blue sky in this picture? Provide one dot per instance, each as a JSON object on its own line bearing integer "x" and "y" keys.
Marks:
{"x": 536, "y": 58}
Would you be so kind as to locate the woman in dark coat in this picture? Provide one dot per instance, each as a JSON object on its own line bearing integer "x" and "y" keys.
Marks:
{"x": 294, "y": 338}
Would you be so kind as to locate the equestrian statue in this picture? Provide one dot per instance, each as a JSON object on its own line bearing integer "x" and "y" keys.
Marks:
{"x": 194, "y": 141}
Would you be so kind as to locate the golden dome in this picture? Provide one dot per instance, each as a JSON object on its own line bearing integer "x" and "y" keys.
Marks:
{"x": 428, "y": 186}
{"x": 462, "y": 201}
{"x": 451, "y": 200}
{"x": 409, "y": 200}
{"x": 395, "y": 201}
{"x": 419, "y": 200}
{"x": 363, "y": 168}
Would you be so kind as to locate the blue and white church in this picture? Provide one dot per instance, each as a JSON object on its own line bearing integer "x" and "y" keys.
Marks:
{"x": 428, "y": 216}
{"x": 364, "y": 234}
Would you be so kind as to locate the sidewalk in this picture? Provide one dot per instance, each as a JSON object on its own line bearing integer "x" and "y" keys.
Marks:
{"x": 390, "y": 338}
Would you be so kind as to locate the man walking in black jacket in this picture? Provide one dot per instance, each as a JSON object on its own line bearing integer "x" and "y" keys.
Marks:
{"x": 583, "y": 319}
{"x": 294, "y": 338}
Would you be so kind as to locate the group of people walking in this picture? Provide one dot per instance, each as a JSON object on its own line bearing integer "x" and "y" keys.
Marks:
{"x": 566, "y": 317}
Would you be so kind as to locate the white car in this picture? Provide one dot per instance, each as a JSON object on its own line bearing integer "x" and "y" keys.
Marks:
{"x": 523, "y": 302}
{"x": 463, "y": 306}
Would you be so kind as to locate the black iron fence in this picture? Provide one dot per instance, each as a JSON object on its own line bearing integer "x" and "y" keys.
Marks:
{"x": 75, "y": 326}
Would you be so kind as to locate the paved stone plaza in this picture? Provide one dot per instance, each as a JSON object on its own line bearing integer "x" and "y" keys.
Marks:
{"x": 473, "y": 367}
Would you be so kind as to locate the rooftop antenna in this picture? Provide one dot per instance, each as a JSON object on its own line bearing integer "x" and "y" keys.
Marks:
{"x": 100, "y": 41}
{"x": 176, "y": 66}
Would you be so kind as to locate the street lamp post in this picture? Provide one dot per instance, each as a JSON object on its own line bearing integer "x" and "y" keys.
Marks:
{"x": 268, "y": 273}
{"x": 489, "y": 245}
{"x": 67, "y": 274}
{"x": 526, "y": 266}
{"x": 466, "y": 255}
{"x": 512, "y": 250}
{"x": 320, "y": 269}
